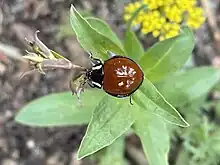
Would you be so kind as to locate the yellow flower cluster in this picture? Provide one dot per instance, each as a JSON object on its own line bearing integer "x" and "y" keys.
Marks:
{"x": 163, "y": 18}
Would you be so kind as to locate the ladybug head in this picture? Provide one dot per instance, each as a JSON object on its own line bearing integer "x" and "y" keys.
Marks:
{"x": 95, "y": 74}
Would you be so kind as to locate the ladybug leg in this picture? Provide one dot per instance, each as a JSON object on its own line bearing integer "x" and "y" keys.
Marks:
{"x": 130, "y": 100}
{"x": 111, "y": 54}
{"x": 91, "y": 84}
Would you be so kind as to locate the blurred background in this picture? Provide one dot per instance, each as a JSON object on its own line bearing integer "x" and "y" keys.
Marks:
{"x": 21, "y": 145}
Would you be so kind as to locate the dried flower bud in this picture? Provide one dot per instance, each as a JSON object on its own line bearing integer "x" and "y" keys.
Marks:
{"x": 77, "y": 85}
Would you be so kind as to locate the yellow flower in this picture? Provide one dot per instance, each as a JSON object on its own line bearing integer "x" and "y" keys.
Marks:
{"x": 195, "y": 20}
{"x": 163, "y": 18}
{"x": 130, "y": 9}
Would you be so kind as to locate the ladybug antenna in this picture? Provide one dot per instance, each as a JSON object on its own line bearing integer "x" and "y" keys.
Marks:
{"x": 90, "y": 54}
{"x": 130, "y": 100}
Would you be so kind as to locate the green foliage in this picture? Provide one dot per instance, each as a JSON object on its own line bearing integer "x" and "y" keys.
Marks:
{"x": 114, "y": 154}
{"x": 110, "y": 119}
{"x": 154, "y": 137}
{"x": 91, "y": 39}
{"x": 161, "y": 90}
{"x": 149, "y": 98}
{"x": 104, "y": 29}
{"x": 59, "y": 109}
{"x": 201, "y": 141}
{"x": 132, "y": 46}
{"x": 188, "y": 86}
{"x": 167, "y": 56}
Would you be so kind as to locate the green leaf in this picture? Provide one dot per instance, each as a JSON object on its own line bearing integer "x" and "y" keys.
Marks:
{"x": 90, "y": 39}
{"x": 167, "y": 56}
{"x": 186, "y": 87}
{"x": 103, "y": 28}
{"x": 110, "y": 120}
{"x": 183, "y": 157}
{"x": 114, "y": 154}
{"x": 154, "y": 137}
{"x": 150, "y": 99}
{"x": 133, "y": 46}
{"x": 60, "y": 109}
{"x": 65, "y": 29}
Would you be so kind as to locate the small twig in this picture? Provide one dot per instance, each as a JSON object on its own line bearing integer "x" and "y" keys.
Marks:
{"x": 129, "y": 25}
{"x": 212, "y": 21}
{"x": 47, "y": 64}
{"x": 60, "y": 63}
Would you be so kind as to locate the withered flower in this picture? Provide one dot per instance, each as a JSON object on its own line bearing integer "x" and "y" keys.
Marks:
{"x": 43, "y": 59}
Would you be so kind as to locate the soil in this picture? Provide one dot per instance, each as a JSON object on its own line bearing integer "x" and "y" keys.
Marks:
{"x": 21, "y": 18}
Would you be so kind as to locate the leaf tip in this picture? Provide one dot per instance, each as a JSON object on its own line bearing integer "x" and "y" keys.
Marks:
{"x": 184, "y": 123}
{"x": 73, "y": 10}
{"x": 80, "y": 154}
{"x": 18, "y": 118}
{"x": 72, "y": 7}
{"x": 79, "y": 157}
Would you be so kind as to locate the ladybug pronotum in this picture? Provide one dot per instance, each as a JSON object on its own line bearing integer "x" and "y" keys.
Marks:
{"x": 119, "y": 76}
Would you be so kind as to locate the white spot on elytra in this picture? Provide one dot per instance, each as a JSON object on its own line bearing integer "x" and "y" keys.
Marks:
{"x": 129, "y": 82}
{"x": 125, "y": 71}
{"x": 121, "y": 83}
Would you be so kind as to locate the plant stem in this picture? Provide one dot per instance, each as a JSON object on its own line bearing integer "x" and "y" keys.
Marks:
{"x": 60, "y": 63}
{"x": 135, "y": 15}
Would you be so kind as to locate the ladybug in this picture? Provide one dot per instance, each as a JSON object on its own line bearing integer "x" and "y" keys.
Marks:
{"x": 119, "y": 76}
